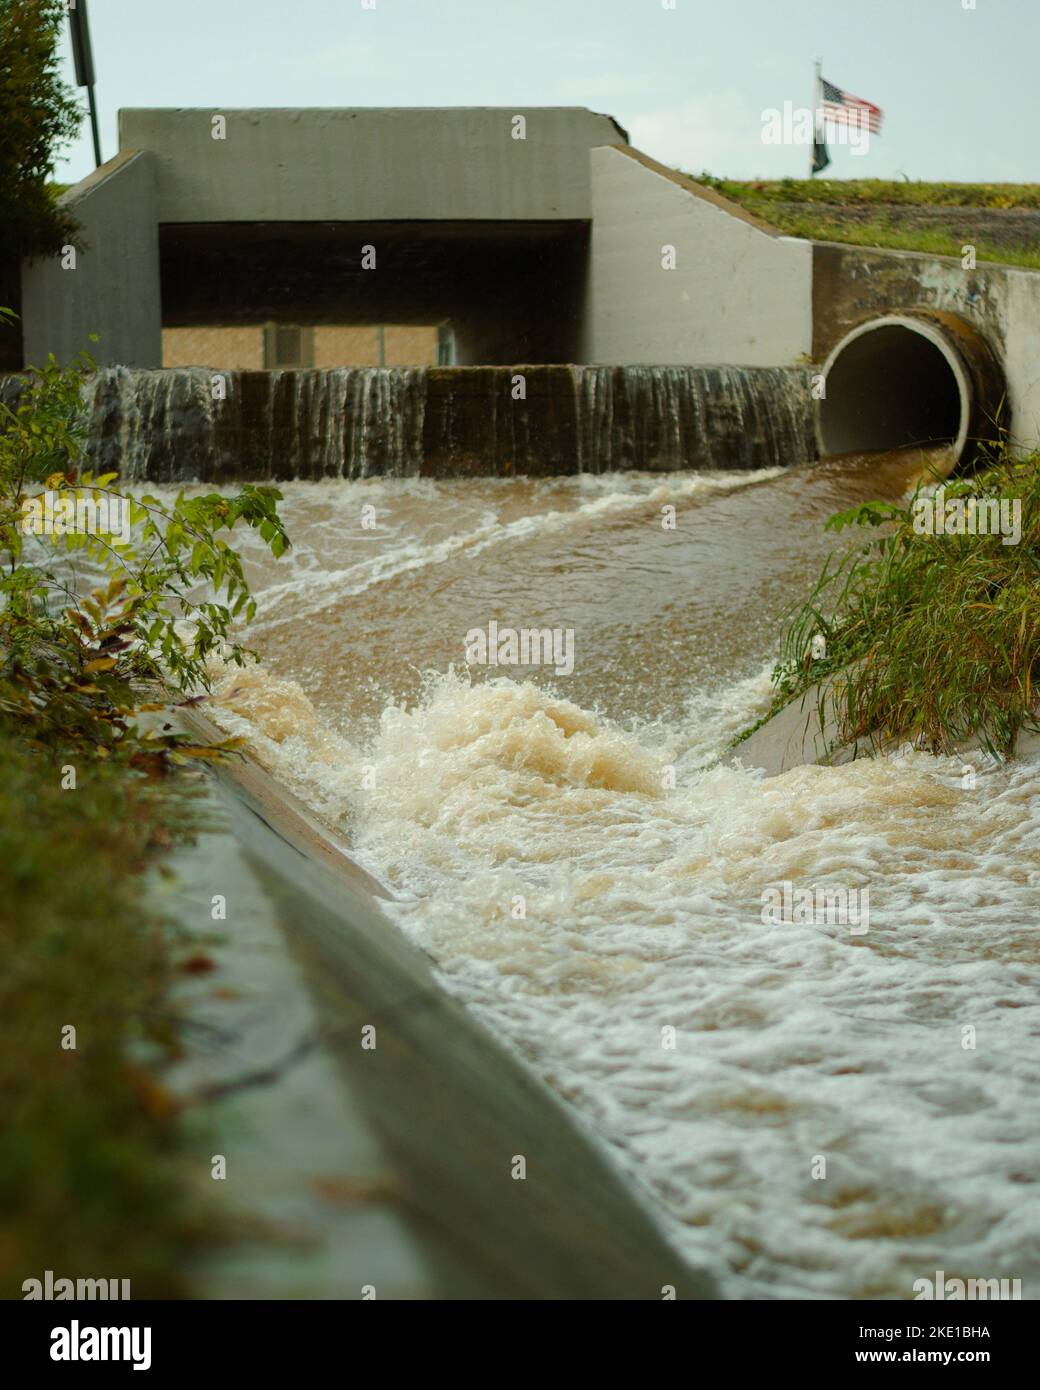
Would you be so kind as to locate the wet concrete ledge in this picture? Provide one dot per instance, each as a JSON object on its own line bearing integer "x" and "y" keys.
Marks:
{"x": 806, "y": 731}
{"x": 536, "y": 420}
{"x": 440, "y": 1104}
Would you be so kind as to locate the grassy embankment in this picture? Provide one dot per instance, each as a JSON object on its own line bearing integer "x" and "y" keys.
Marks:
{"x": 898, "y": 214}
{"x": 931, "y": 638}
{"x": 93, "y": 1175}
{"x": 93, "y": 1181}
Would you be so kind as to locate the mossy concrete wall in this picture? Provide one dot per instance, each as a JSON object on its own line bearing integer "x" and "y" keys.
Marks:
{"x": 852, "y": 284}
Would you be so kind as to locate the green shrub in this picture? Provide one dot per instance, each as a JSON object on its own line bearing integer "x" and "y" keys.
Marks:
{"x": 70, "y": 658}
{"x": 932, "y": 638}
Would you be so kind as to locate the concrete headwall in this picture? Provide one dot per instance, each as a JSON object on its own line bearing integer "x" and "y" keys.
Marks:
{"x": 370, "y": 164}
{"x": 472, "y": 226}
{"x": 539, "y": 250}
{"x": 739, "y": 294}
{"x": 113, "y": 287}
{"x": 852, "y": 284}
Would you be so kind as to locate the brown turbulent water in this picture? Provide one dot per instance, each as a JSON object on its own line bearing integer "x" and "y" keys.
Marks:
{"x": 378, "y": 599}
{"x": 586, "y": 864}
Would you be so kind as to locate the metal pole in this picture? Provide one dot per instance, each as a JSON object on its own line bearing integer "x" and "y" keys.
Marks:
{"x": 83, "y": 58}
{"x": 817, "y": 123}
{"x": 94, "y": 127}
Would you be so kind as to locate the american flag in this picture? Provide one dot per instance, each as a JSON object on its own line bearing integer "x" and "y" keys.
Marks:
{"x": 845, "y": 109}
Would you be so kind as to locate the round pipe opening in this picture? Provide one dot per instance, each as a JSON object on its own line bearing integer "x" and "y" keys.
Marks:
{"x": 893, "y": 383}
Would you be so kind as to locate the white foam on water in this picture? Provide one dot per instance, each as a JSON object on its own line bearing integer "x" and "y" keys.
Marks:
{"x": 642, "y": 912}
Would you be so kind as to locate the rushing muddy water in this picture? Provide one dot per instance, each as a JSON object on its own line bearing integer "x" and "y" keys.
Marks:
{"x": 609, "y": 923}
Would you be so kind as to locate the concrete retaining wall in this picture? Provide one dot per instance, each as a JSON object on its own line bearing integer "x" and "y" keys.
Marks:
{"x": 739, "y": 295}
{"x": 113, "y": 290}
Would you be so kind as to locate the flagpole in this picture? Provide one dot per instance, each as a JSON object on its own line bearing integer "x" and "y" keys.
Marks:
{"x": 815, "y": 108}
{"x": 83, "y": 59}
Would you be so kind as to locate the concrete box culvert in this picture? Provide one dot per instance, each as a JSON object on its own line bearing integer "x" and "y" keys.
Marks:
{"x": 910, "y": 379}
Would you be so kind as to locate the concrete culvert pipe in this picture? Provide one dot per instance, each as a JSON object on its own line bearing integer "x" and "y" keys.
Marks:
{"x": 910, "y": 379}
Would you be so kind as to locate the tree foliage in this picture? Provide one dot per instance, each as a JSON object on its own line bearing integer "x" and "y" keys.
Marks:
{"x": 38, "y": 115}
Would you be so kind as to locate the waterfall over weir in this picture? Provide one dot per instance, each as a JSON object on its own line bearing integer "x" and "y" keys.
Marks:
{"x": 172, "y": 425}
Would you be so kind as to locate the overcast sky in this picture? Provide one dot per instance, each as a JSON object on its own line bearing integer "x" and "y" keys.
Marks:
{"x": 959, "y": 87}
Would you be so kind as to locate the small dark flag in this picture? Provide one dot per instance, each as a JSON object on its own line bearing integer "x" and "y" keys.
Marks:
{"x": 820, "y": 157}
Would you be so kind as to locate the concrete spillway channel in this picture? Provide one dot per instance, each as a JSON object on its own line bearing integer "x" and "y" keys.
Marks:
{"x": 436, "y": 1114}
{"x": 914, "y": 378}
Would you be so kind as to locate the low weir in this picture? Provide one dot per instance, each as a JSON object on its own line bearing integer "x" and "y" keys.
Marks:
{"x": 182, "y": 424}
